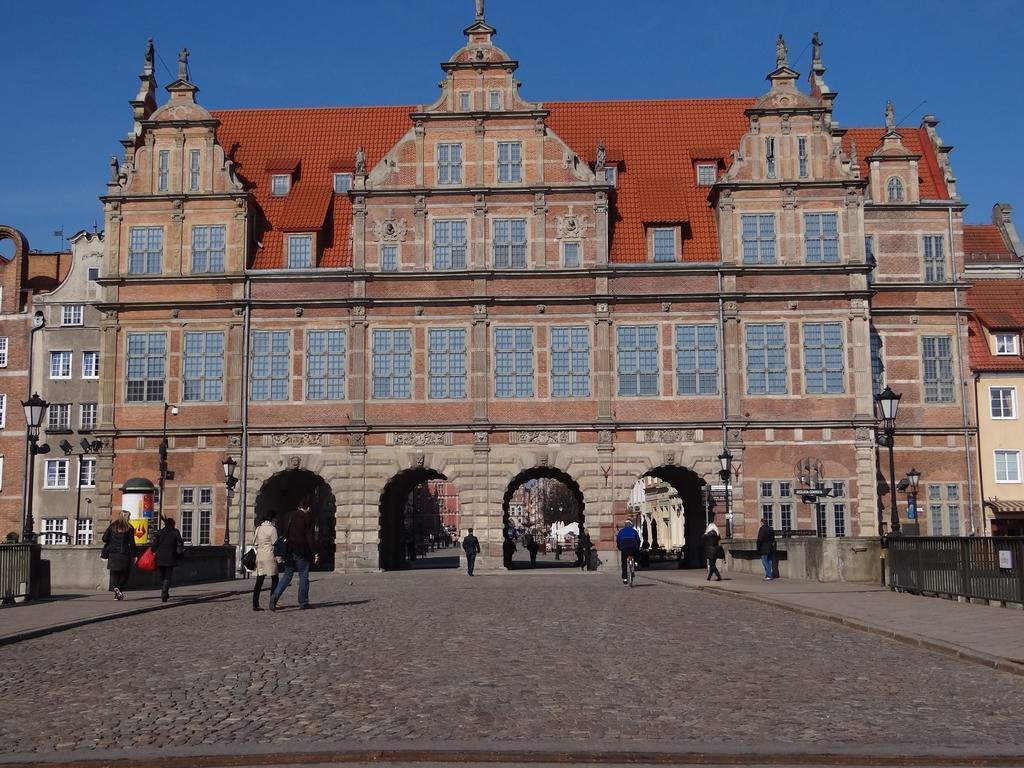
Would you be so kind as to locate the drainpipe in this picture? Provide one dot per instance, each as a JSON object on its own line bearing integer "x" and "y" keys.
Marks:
{"x": 730, "y": 528}
{"x": 981, "y": 475}
{"x": 963, "y": 383}
{"x": 244, "y": 482}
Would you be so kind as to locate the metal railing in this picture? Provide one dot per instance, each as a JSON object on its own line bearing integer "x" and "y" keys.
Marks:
{"x": 973, "y": 567}
{"x": 19, "y": 571}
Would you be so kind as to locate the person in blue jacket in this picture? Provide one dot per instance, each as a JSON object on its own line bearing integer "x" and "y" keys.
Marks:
{"x": 628, "y": 543}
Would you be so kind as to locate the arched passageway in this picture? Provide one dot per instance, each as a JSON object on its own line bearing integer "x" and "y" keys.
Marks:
{"x": 674, "y": 512}
{"x": 419, "y": 521}
{"x": 285, "y": 490}
{"x": 542, "y": 518}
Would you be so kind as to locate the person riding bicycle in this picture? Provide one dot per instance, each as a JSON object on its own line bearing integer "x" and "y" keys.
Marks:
{"x": 628, "y": 543}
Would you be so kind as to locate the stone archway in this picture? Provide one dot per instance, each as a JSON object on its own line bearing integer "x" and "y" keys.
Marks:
{"x": 394, "y": 536}
{"x": 516, "y": 531}
{"x": 284, "y": 491}
{"x": 689, "y": 485}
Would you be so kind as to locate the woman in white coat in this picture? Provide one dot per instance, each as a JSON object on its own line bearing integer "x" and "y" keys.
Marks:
{"x": 266, "y": 563}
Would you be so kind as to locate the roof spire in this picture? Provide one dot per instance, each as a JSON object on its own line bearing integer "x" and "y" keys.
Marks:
{"x": 781, "y": 53}
{"x": 890, "y": 116}
{"x": 816, "y": 77}
{"x": 144, "y": 103}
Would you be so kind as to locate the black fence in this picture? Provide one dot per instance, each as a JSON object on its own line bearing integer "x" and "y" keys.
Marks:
{"x": 20, "y": 571}
{"x": 978, "y": 567}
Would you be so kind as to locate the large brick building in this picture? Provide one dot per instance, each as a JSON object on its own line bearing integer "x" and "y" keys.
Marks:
{"x": 485, "y": 289}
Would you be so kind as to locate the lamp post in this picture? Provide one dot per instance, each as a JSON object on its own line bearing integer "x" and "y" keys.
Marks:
{"x": 888, "y": 404}
{"x": 88, "y": 447}
{"x": 230, "y": 465}
{"x": 725, "y": 474}
{"x": 35, "y": 409}
{"x": 913, "y": 478}
{"x": 165, "y": 473}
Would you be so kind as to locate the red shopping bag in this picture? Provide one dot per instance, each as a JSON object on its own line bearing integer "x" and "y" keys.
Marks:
{"x": 147, "y": 562}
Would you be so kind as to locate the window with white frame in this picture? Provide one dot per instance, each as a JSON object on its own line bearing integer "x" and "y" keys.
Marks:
{"x": 163, "y": 161}
{"x": 450, "y": 244}
{"x": 1003, "y": 402}
{"x": 769, "y": 156}
{"x": 894, "y": 190}
{"x": 203, "y": 366}
{"x": 937, "y": 361}
{"x": 821, "y": 237}
{"x": 208, "y": 249}
{"x": 4, "y": 342}
{"x": 392, "y": 364}
{"x": 706, "y": 174}
{"x": 94, "y": 274}
{"x": 193, "y": 170}
{"x": 325, "y": 365}
{"x": 3, "y": 411}
{"x": 145, "y": 250}
{"x": 758, "y": 231}
{"x": 766, "y": 359}
{"x": 389, "y": 258}
{"x": 196, "y": 515}
{"x": 571, "y": 253}
{"x": 60, "y": 365}
{"x": 300, "y": 251}
{"x": 71, "y": 314}
{"x": 944, "y": 509}
{"x": 90, "y": 364}
{"x": 823, "y": 359}
{"x": 449, "y": 163}
{"x": 465, "y": 102}
{"x": 55, "y": 531}
{"x": 1007, "y": 343}
{"x": 87, "y": 417}
{"x": 280, "y": 183}
{"x": 446, "y": 363}
{"x": 271, "y": 365}
{"x": 56, "y": 473}
{"x": 834, "y": 524}
{"x": 509, "y": 243}
{"x": 84, "y": 532}
{"x": 696, "y": 359}
{"x": 342, "y": 183}
{"x": 86, "y": 473}
{"x": 570, "y": 362}
{"x": 934, "y": 259}
{"x": 1007, "y": 466}
{"x": 58, "y": 417}
{"x": 494, "y": 100}
{"x": 664, "y": 243}
{"x": 801, "y": 156}
{"x": 513, "y": 362}
{"x": 510, "y": 162}
{"x": 146, "y": 364}
{"x": 776, "y": 503}
{"x": 637, "y": 352}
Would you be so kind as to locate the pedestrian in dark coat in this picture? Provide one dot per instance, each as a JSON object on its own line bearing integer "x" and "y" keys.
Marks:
{"x": 471, "y": 546}
{"x": 532, "y": 546}
{"x": 766, "y": 548}
{"x": 712, "y": 544}
{"x": 301, "y": 550}
{"x": 119, "y": 550}
{"x": 586, "y": 545}
{"x": 169, "y": 548}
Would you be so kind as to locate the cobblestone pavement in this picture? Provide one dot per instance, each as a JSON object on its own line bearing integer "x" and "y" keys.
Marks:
{"x": 435, "y": 657}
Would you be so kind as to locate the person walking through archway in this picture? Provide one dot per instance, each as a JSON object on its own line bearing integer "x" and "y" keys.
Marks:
{"x": 301, "y": 550}
{"x": 471, "y": 546}
{"x": 532, "y": 546}
{"x": 712, "y": 544}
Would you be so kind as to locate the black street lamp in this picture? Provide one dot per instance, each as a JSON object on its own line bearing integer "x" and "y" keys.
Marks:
{"x": 888, "y": 404}
{"x": 35, "y": 410}
{"x": 913, "y": 479}
{"x": 725, "y": 473}
{"x": 230, "y": 465}
{"x": 165, "y": 473}
{"x": 88, "y": 447}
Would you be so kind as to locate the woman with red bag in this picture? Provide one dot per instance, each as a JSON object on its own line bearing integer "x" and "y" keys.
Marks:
{"x": 119, "y": 552}
{"x": 168, "y": 547}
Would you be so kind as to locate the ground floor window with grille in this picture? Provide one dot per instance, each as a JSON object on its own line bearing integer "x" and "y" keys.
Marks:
{"x": 830, "y": 512}
{"x": 83, "y": 535}
{"x": 776, "y": 503}
{"x": 944, "y": 509}
{"x": 55, "y": 531}
{"x": 196, "y": 515}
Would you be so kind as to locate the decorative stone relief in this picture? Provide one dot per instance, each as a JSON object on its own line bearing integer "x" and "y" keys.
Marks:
{"x": 359, "y": 312}
{"x": 666, "y": 435}
{"x": 418, "y": 309}
{"x": 390, "y": 230}
{"x": 735, "y": 436}
{"x": 420, "y": 459}
{"x": 542, "y": 459}
{"x": 480, "y": 310}
{"x": 541, "y": 309}
{"x": 543, "y": 437}
{"x": 604, "y": 437}
{"x": 669, "y": 459}
{"x": 357, "y": 440}
{"x": 418, "y": 438}
{"x": 602, "y": 308}
{"x": 666, "y": 306}
{"x": 299, "y": 311}
{"x": 571, "y": 226}
{"x": 234, "y": 441}
{"x": 296, "y": 440}
{"x": 480, "y": 438}
{"x": 865, "y": 434}
{"x": 175, "y": 313}
{"x": 294, "y": 462}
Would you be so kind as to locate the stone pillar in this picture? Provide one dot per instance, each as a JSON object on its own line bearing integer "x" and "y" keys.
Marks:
{"x": 360, "y": 356}
{"x": 600, "y": 229}
{"x": 420, "y": 225}
{"x": 359, "y": 233}
{"x": 732, "y": 347}
{"x": 539, "y": 247}
{"x": 420, "y": 151}
{"x": 603, "y": 380}
{"x": 478, "y": 259}
{"x": 479, "y": 344}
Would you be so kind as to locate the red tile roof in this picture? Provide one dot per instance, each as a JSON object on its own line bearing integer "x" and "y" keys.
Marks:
{"x": 999, "y": 306}
{"x": 655, "y": 144}
{"x": 984, "y": 243}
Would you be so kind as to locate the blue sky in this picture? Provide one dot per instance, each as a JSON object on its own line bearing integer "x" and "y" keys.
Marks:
{"x": 67, "y": 70}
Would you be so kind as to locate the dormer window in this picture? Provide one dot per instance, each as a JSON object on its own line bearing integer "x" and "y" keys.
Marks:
{"x": 706, "y": 174}
{"x": 1007, "y": 344}
{"x": 464, "y": 101}
{"x": 193, "y": 170}
{"x": 494, "y": 100}
{"x": 280, "y": 183}
{"x": 663, "y": 240}
{"x": 611, "y": 175}
{"x": 342, "y": 183}
{"x": 300, "y": 251}
{"x": 894, "y": 190}
{"x": 769, "y": 156}
{"x": 163, "y": 160}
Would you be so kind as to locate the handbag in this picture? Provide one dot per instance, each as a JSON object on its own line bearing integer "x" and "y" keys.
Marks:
{"x": 249, "y": 559}
{"x": 147, "y": 562}
{"x": 105, "y": 552}
{"x": 281, "y": 547}
{"x": 720, "y": 552}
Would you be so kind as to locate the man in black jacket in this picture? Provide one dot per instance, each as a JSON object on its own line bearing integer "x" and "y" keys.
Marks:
{"x": 471, "y": 545}
{"x": 298, "y": 533}
{"x": 766, "y": 548}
